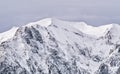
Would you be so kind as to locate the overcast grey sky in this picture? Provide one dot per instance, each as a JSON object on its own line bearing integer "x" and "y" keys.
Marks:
{"x": 94, "y": 12}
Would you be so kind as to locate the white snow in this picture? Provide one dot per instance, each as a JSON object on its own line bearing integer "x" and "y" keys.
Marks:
{"x": 81, "y": 26}
{"x": 8, "y": 34}
{"x": 87, "y": 29}
{"x": 91, "y": 30}
{"x": 44, "y": 22}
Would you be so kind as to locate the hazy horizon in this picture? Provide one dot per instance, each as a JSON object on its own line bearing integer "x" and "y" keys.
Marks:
{"x": 93, "y": 12}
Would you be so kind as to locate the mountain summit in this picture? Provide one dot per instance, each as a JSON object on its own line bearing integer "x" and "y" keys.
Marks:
{"x": 53, "y": 46}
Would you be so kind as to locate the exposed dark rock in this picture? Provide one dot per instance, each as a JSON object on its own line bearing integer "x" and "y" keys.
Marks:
{"x": 28, "y": 35}
{"x": 103, "y": 69}
{"x": 97, "y": 58}
{"x": 118, "y": 71}
{"x": 37, "y": 35}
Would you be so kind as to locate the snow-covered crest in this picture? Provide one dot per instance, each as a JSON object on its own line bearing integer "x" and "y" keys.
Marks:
{"x": 81, "y": 26}
{"x": 44, "y": 22}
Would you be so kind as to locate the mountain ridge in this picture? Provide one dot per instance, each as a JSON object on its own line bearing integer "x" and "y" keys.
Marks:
{"x": 60, "y": 48}
{"x": 82, "y": 26}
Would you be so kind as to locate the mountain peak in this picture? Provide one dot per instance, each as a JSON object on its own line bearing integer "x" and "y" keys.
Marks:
{"x": 44, "y": 22}
{"x": 49, "y": 21}
{"x": 81, "y": 26}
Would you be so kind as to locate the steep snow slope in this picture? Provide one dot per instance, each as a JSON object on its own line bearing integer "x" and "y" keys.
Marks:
{"x": 52, "y": 46}
{"x": 7, "y": 35}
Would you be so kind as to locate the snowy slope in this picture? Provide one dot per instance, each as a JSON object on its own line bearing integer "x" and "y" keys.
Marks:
{"x": 95, "y": 31}
{"x": 44, "y": 22}
{"x": 8, "y": 34}
{"x": 53, "y": 46}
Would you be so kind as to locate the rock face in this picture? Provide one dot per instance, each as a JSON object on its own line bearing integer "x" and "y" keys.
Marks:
{"x": 61, "y": 47}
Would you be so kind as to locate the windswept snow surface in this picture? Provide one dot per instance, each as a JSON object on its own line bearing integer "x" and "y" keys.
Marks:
{"x": 53, "y": 46}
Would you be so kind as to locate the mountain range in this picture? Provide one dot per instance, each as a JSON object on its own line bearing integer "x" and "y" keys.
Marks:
{"x": 53, "y": 46}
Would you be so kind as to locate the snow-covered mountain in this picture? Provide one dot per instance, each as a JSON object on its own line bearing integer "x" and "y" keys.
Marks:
{"x": 52, "y": 46}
